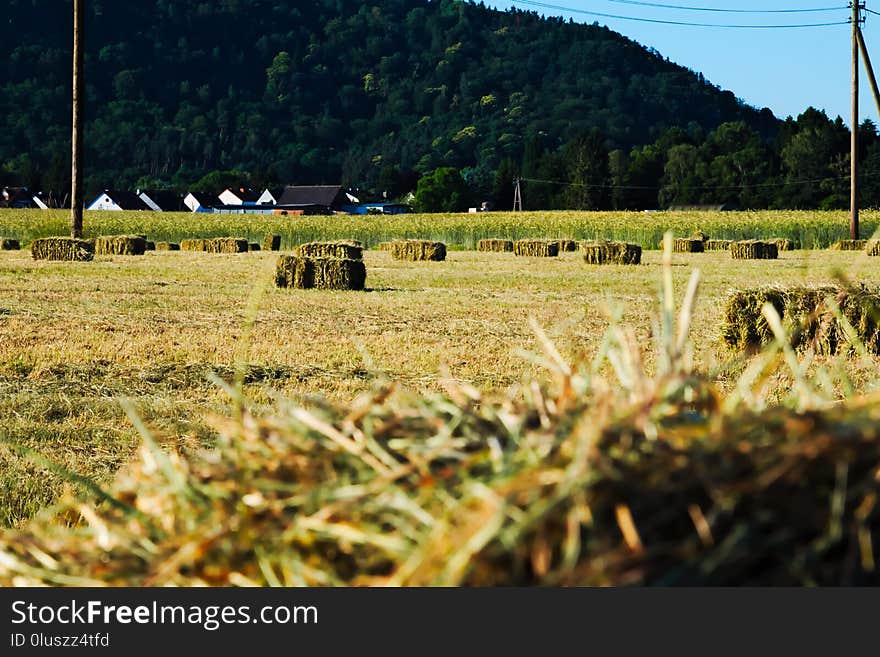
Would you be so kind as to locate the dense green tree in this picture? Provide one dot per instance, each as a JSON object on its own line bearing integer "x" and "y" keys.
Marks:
{"x": 444, "y": 190}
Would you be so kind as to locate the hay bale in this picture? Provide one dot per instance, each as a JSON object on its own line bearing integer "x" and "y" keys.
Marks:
{"x": 872, "y": 248}
{"x": 850, "y": 245}
{"x": 228, "y": 245}
{"x": 495, "y": 246}
{"x": 717, "y": 245}
{"x": 385, "y": 246}
{"x": 272, "y": 242}
{"x": 254, "y": 246}
{"x": 536, "y": 248}
{"x": 700, "y": 235}
{"x": 687, "y": 245}
{"x": 167, "y": 246}
{"x": 808, "y": 319}
{"x": 783, "y": 243}
{"x": 194, "y": 245}
{"x": 418, "y": 250}
{"x": 600, "y": 252}
{"x": 9, "y": 244}
{"x": 754, "y": 250}
{"x": 304, "y": 273}
{"x": 567, "y": 246}
{"x": 62, "y": 248}
{"x": 151, "y": 246}
{"x": 345, "y": 250}
{"x": 130, "y": 245}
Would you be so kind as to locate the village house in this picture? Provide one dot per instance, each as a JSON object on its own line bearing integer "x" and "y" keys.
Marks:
{"x": 162, "y": 200}
{"x": 239, "y": 196}
{"x": 117, "y": 201}
{"x": 198, "y": 202}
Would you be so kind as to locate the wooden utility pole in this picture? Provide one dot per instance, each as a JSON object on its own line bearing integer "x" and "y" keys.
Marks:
{"x": 869, "y": 69}
{"x": 76, "y": 196}
{"x": 854, "y": 129}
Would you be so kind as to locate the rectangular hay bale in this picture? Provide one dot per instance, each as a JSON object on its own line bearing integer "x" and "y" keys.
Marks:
{"x": 228, "y": 245}
{"x": 495, "y": 246}
{"x": 346, "y": 250}
{"x": 872, "y": 248}
{"x": 254, "y": 246}
{"x": 131, "y": 245}
{"x": 194, "y": 245}
{"x": 782, "y": 243}
{"x": 272, "y": 242}
{"x": 304, "y": 273}
{"x": 9, "y": 244}
{"x": 62, "y": 248}
{"x": 718, "y": 245}
{"x": 567, "y": 246}
{"x": 850, "y": 245}
{"x": 808, "y": 319}
{"x": 600, "y": 252}
{"x": 754, "y": 250}
{"x": 418, "y": 250}
{"x": 536, "y": 248}
{"x": 688, "y": 245}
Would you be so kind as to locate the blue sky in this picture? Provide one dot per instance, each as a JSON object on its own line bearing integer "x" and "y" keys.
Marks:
{"x": 786, "y": 70}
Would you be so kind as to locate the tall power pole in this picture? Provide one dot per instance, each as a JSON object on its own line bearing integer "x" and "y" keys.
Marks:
{"x": 517, "y": 196}
{"x": 854, "y": 143}
{"x": 76, "y": 196}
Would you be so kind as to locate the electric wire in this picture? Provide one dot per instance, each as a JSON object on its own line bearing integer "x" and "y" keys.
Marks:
{"x": 728, "y": 11}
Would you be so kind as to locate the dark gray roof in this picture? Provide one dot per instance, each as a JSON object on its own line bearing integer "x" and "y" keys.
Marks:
{"x": 246, "y": 195}
{"x": 330, "y": 196}
{"x": 127, "y": 200}
{"x": 167, "y": 200}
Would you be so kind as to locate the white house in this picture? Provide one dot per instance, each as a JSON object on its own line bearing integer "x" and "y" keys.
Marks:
{"x": 270, "y": 196}
{"x": 117, "y": 201}
{"x": 198, "y": 202}
{"x": 239, "y": 196}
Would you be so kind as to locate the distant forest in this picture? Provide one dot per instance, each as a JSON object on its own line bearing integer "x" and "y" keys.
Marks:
{"x": 376, "y": 97}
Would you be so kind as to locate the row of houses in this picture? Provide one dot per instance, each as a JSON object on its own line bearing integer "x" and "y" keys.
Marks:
{"x": 291, "y": 199}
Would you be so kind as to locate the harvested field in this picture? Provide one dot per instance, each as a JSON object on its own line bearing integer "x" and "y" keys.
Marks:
{"x": 616, "y": 253}
{"x": 687, "y": 245}
{"x": 808, "y": 317}
{"x": 132, "y": 245}
{"x": 495, "y": 246}
{"x": 718, "y": 245}
{"x": 321, "y": 273}
{"x": 754, "y": 250}
{"x": 62, "y": 248}
{"x": 9, "y": 244}
{"x": 167, "y": 246}
{"x": 345, "y": 250}
{"x": 536, "y": 248}
{"x": 272, "y": 242}
{"x": 418, "y": 250}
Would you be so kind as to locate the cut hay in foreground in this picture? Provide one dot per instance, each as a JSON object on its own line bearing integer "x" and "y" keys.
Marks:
{"x": 536, "y": 248}
{"x": 754, "y": 250}
{"x": 600, "y": 252}
{"x": 849, "y": 245}
{"x": 129, "y": 245}
{"x": 167, "y": 246}
{"x": 272, "y": 242}
{"x": 418, "y": 250}
{"x": 62, "y": 248}
{"x": 807, "y": 315}
{"x": 687, "y": 245}
{"x": 718, "y": 245}
{"x": 344, "y": 250}
{"x": 495, "y": 246}
{"x": 303, "y": 273}
{"x": 9, "y": 244}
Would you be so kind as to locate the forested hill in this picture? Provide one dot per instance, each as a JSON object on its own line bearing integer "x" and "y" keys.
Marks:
{"x": 328, "y": 90}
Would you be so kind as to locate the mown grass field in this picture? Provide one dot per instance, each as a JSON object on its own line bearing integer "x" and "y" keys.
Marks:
{"x": 76, "y": 338}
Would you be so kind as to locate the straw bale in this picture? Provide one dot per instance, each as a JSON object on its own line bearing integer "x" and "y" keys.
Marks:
{"x": 9, "y": 244}
{"x": 228, "y": 245}
{"x": 62, "y": 248}
{"x": 687, "y": 245}
{"x": 783, "y": 243}
{"x": 872, "y": 248}
{"x": 808, "y": 318}
{"x": 418, "y": 250}
{"x": 536, "y": 248}
{"x": 272, "y": 242}
{"x": 254, "y": 246}
{"x": 599, "y": 252}
{"x": 495, "y": 246}
{"x": 385, "y": 246}
{"x": 754, "y": 250}
{"x": 345, "y": 250}
{"x": 850, "y": 245}
{"x": 133, "y": 245}
{"x": 717, "y": 245}
{"x": 305, "y": 273}
{"x": 194, "y": 245}
{"x": 167, "y": 246}
{"x": 567, "y": 246}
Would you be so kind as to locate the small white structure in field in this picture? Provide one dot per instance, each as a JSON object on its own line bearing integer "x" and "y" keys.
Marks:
{"x": 116, "y": 201}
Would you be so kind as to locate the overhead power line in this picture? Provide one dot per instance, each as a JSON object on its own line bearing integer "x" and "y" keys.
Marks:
{"x": 729, "y": 11}
{"x": 586, "y": 12}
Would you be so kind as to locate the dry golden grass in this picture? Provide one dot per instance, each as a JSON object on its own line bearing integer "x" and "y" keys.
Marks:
{"x": 74, "y": 337}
